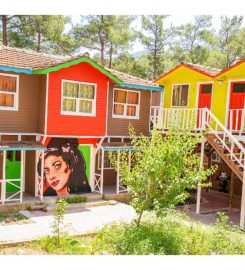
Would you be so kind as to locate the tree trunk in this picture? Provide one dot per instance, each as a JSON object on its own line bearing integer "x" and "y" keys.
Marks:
{"x": 102, "y": 41}
{"x": 139, "y": 218}
{"x": 4, "y": 30}
{"x": 111, "y": 52}
{"x": 38, "y": 41}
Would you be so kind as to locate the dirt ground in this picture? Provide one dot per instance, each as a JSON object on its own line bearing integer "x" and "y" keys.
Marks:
{"x": 21, "y": 249}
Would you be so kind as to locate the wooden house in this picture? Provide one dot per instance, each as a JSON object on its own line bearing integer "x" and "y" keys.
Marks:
{"x": 205, "y": 98}
{"x": 58, "y": 117}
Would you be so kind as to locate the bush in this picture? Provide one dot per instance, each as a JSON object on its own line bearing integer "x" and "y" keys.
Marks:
{"x": 172, "y": 234}
{"x": 76, "y": 199}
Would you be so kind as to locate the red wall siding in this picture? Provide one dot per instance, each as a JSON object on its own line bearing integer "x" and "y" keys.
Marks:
{"x": 77, "y": 125}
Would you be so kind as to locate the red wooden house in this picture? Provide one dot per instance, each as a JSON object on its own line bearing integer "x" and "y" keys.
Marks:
{"x": 59, "y": 116}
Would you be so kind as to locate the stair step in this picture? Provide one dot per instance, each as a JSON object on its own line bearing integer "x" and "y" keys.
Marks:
{"x": 40, "y": 207}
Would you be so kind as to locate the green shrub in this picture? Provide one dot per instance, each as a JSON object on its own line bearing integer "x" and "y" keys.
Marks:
{"x": 76, "y": 199}
{"x": 71, "y": 246}
{"x": 172, "y": 234}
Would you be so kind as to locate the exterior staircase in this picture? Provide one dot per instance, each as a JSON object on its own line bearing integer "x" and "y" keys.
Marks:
{"x": 223, "y": 141}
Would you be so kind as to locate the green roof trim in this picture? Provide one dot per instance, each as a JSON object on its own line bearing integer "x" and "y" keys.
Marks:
{"x": 75, "y": 62}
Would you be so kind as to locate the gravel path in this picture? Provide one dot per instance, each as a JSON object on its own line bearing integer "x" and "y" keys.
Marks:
{"x": 77, "y": 222}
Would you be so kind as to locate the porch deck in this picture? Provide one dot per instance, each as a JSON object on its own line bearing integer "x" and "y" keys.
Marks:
{"x": 213, "y": 202}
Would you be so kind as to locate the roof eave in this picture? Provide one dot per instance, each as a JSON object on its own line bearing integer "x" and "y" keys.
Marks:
{"x": 16, "y": 70}
{"x": 77, "y": 61}
{"x": 140, "y": 87}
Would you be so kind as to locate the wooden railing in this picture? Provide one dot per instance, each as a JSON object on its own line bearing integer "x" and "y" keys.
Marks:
{"x": 11, "y": 196}
{"x": 236, "y": 121}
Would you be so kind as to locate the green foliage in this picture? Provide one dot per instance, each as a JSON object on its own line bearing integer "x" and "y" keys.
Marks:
{"x": 192, "y": 42}
{"x": 58, "y": 222}
{"x": 163, "y": 169}
{"x": 73, "y": 245}
{"x": 76, "y": 199}
{"x": 109, "y": 35}
{"x": 172, "y": 234}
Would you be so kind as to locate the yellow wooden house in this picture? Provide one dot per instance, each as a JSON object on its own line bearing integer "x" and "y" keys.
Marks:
{"x": 205, "y": 98}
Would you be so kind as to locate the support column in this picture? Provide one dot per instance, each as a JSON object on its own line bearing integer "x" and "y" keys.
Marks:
{"x": 21, "y": 174}
{"x": 3, "y": 186}
{"x": 36, "y": 173}
{"x": 198, "y": 203}
{"x": 118, "y": 157}
{"x": 102, "y": 171}
{"x": 231, "y": 191}
{"x": 42, "y": 173}
{"x": 242, "y": 216}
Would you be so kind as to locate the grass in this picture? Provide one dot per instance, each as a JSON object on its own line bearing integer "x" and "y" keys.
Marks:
{"x": 16, "y": 218}
{"x": 171, "y": 234}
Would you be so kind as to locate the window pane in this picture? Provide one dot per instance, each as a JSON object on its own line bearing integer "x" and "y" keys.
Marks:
{"x": 86, "y": 91}
{"x": 133, "y": 98}
{"x": 206, "y": 89}
{"x": 85, "y": 106}
{"x": 70, "y": 89}
{"x": 176, "y": 95}
{"x": 239, "y": 88}
{"x": 131, "y": 110}
{"x": 6, "y": 100}
{"x": 120, "y": 96}
{"x": 184, "y": 95}
{"x": 118, "y": 109}
{"x": 69, "y": 105}
{"x": 7, "y": 83}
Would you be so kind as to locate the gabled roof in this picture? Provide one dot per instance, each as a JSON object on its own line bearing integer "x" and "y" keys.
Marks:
{"x": 208, "y": 71}
{"x": 130, "y": 81}
{"x": 238, "y": 63}
{"x": 24, "y": 61}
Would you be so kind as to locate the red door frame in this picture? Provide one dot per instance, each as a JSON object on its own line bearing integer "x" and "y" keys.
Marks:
{"x": 232, "y": 83}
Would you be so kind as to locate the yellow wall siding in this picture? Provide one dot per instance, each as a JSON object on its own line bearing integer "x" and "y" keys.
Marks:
{"x": 183, "y": 75}
{"x": 221, "y": 85}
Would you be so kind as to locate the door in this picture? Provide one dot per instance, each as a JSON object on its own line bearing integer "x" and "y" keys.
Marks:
{"x": 237, "y": 101}
{"x": 13, "y": 170}
{"x": 204, "y": 99}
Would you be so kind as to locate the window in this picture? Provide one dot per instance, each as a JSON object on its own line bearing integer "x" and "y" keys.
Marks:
{"x": 107, "y": 163}
{"x": 78, "y": 98}
{"x": 239, "y": 88}
{"x": 207, "y": 89}
{"x": 126, "y": 104}
{"x": 8, "y": 92}
{"x": 180, "y": 95}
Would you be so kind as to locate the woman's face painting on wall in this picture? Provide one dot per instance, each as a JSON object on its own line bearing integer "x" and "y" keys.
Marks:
{"x": 64, "y": 168}
{"x": 57, "y": 173}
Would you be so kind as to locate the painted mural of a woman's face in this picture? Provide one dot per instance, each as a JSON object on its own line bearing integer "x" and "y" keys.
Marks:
{"x": 57, "y": 173}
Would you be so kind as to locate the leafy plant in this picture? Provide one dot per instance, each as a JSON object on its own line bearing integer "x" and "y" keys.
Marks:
{"x": 172, "y": 234}
{"x": 162, "y": 169}
{"x": 59, "y": 219}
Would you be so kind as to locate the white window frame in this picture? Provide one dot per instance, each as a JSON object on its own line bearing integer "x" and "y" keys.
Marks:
{"x": 172, "y": 95}
{"x": 99, "y": 161}
{"x": 16, "y": 94}
{"x": 124, "y": 116}
{"x": 77, "y": 113}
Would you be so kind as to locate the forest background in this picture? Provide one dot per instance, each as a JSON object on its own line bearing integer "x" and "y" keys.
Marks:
{"x": 110, "y": 39}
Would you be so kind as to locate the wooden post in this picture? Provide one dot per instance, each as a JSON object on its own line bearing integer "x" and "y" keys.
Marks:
{"x": 102, "y": 171}
{"x": 3, "y": 190}
{"x": 21, "y": 174}
{"x": 118, "y": 176}
{"x": 231, "y": 191}
{"x": 198, "y": 203}
{"x": 42, "y": 172}
{"x": 242, "y": 216}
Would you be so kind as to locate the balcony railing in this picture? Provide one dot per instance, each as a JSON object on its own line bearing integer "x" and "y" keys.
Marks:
{"x": 194, "y": 118}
